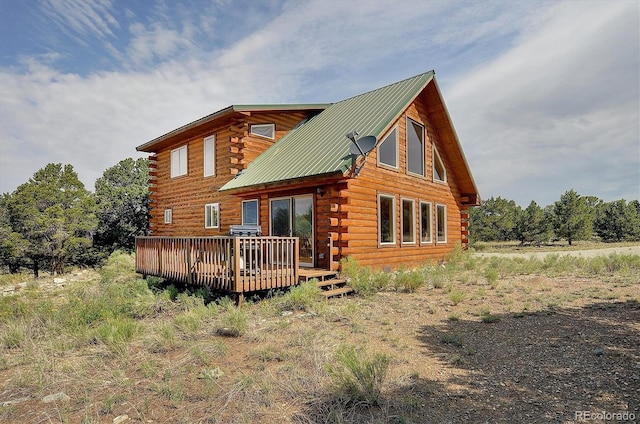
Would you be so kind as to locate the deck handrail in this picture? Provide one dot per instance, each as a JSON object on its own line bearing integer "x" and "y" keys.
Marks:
{"x": 228, "y": 263}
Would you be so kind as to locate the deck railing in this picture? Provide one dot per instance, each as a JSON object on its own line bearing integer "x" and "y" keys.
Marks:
{"x": 232, "y": 264}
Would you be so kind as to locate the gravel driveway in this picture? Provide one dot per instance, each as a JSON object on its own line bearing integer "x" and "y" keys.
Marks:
{"x": 589, "y": 253}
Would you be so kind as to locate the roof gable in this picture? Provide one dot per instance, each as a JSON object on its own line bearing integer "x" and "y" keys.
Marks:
{"x": 320, "y": 146}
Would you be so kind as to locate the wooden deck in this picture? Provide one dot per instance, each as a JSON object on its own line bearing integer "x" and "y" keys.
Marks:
{"x": 231, "y": 264}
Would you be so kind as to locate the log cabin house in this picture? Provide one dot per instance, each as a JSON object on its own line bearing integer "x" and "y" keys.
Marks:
{"x": 295, "y": 173}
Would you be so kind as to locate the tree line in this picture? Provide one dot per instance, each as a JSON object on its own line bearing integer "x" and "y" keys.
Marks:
{"x": 573, "y": 217}
{"x": 52, "y": 220}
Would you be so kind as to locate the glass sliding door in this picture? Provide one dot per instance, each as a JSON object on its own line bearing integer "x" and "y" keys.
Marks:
{"x": 293, "y": 216}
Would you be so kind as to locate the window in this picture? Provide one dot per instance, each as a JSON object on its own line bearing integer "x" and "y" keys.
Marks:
{"x": 441, "y": 223}
{"x": 210, "y": 156}
{"x": 425, "y": 222}
{"x": 168, "y": 216}
{"x": 387, "y": 219}
{"x": 212, "y": 215}
{"x": 415, "y": 147}
{"x": 388, "y": 149}
{"x": 439, "y": 171}
{"x": 408, "y": 221}
{"x": 264, "y": 130}
{"x": 179, "y": 162}
{"x": 250, "y": 212}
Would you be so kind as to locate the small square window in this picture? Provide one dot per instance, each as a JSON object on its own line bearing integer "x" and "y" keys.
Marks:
{"x": 168, "y": 216}
{"x": 212, "y": 215}
{"x": 264, "y": 130}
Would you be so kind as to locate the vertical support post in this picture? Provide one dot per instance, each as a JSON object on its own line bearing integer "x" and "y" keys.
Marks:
{"x": 188, "y": 249}
{"x": 236, "y": 266}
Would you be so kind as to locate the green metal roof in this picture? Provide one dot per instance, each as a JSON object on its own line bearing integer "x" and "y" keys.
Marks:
{"x": 320, "y": 146}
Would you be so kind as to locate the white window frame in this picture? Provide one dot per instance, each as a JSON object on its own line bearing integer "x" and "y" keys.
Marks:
{"x": 436, "y": 157}
{"x": 209, "y": 153}
{"x": 392, "y": 220}
{"x": 179, "y": 162}
{"x": 244, "y": 222}
{"x": 444, "y": 230}
{"x": 207, "y": 218}
{"x": 422, "y": 150}
{"x": 430, "y": 216}
{"x": 384, "y": 164}
{"x": 413, "y": 220}
{"x": 257, "y": 126}
{"x": 168, "y": 216}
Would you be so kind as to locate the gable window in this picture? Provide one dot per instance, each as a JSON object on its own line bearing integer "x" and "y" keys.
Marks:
{"x": 408, "y": 221}
{"x": 179, "y": 162}
{"x": 439, "y": 171}
{"x": 264, "y": 130}
{"x": 415, "y": 147}
{"x": 168, "y": 216}
{"x": 387, "y": 219}
{"x": 388, "y": 150}
{"x": 212, "y": 215}
{"x": 425, "y": 222}
{"x": 210, "y": 156}
{"x": 441, "y": 223}
{"x": 250, "y": 212}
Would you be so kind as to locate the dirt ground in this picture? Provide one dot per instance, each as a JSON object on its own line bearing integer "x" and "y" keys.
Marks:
{"x": 526, "y": 349}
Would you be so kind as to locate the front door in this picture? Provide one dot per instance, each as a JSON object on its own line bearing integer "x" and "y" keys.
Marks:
{"x": 293, "y": 217}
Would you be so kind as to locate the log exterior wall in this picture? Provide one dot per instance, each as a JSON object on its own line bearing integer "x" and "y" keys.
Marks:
{"x": 187, "y": 195}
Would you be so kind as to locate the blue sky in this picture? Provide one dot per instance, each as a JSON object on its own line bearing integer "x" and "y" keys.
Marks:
{"x": 545, "y": 96}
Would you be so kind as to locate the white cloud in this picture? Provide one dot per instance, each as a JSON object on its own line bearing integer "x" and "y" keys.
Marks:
{"x": 550, "y": 105}
{"x": 560, "y": 109}
{"x": 82, "y": 17}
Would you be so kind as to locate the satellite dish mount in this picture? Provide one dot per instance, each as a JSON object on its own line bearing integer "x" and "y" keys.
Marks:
{"x": 361, "y": 147}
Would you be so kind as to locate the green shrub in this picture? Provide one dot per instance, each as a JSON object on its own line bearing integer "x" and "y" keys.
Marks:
{"x": 409, "y": 281}
{"x": 455, "y": 339}
{"x": 456, "y": 296}
{"x": 234, "y": 320}
{"x": 301, "y": 297}
{"x": 358, "y": 377}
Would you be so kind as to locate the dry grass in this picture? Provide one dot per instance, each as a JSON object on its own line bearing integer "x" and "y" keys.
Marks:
{"x": 516, "y": 344}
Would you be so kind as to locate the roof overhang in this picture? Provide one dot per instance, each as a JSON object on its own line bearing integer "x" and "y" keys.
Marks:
{"x": 153, "y": 145}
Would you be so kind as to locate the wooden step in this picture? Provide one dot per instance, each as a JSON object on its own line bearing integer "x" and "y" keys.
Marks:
{"x": 337, "y": 292}
{"x": 331, "y": 284}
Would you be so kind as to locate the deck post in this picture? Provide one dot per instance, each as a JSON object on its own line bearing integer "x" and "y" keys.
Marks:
{"x": 236, "y": 266}
{"x": 189, "y": 272}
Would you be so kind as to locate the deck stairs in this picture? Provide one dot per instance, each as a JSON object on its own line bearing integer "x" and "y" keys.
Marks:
{"x": 330, "y": 282}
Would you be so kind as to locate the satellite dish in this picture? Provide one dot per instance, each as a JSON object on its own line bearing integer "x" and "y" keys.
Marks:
{"x": 363, "y": 146}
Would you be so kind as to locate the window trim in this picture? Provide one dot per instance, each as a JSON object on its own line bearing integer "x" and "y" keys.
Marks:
{"x": 392, "y": 221}
{"x": 207, "y": 208}
{"x": 384, "y": 164}
{"x": 212, "y": 171}
{"x": 422, "y": 150}
{"x": 413, "y": 220}
{"x": 436, "y": 156}
{"x": 430, "y": 215}
{"x": 272, "y": 126}
{"x": 168, "y": 216}
{"x": 177, "y": 171}
{"x": 257, "y": 211}
{"x": 444, "y": 207}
